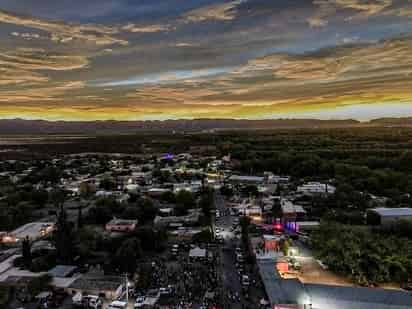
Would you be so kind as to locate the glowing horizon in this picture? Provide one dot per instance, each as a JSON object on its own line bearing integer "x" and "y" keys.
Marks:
{"x": 241, "y": 59}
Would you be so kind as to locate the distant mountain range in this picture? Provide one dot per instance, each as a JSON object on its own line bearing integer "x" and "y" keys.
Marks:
{"x": 20, "y": 126}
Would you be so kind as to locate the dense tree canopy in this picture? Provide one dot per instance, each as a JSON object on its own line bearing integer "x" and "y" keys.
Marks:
{"x": 366, "y": 256}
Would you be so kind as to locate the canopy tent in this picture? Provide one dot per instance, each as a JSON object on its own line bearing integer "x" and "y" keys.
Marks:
{"x": 197, "y": 253}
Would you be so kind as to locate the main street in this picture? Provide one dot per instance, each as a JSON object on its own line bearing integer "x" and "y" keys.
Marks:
{"x": 232, "y": 288}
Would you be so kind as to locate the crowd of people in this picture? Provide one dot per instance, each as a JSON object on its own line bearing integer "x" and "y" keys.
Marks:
{"x": 190, "y": 283}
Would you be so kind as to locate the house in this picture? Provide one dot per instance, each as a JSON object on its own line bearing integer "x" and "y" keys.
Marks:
{"x": 237, "y": 179}
{"x": 388, "y": 216}
{"x": 290, "y": 211}
{"x": 157, "y": 192}
{"x": 272, "y": 242}
{"x": 197, "y": 253}
{"x": 189, "y": 219}
{"x": 109, "y": 286}
{"x": 121, "y": 225}
{"x": 193, "y": 186}
{"x": 312, "y": 188}
{"x": 104, "y": 193}
{"x": 271, "y": 178}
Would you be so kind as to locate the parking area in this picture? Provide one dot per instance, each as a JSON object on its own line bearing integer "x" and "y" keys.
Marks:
{"x": 310, "y": 270}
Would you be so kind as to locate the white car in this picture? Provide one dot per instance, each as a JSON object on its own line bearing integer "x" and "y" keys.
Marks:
{"x": 92, "y": 301}
{"x": 139, "y": 302}
{"x": 117, "y": 304}
{"x": 245, "y": 280}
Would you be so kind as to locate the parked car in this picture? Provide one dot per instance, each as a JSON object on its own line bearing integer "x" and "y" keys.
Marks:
{"x": 117, "y": 304}
{"x": 139, "y": 302}
{"x": 94, "y": 302}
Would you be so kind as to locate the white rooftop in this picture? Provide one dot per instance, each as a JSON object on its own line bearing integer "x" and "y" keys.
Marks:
{"x": 401, "y": 211}
{"x": 246, "y": 178}
{"x": 289, "y": 207}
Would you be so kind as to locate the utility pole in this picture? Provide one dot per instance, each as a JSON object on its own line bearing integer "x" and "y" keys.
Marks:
{"x": 127, "y": 290}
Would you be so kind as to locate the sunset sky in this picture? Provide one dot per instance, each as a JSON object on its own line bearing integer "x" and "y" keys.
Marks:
{"x": 172, "y": 59}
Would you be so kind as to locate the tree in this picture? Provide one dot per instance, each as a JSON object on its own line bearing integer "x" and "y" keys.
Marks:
{"x": 168, "y": 197}
{"x": 127, "y": 255}
{"x": 147, "y": 210}
{"x": 226, "y": 191}
{"x": 185, "y": 201}
{"x": 88, "y": 240}
{"x": 63, "y": 238}
{"x": 206, "y": 203}
{"x": 39, "y": 284}
{"x": 39, "y": 197}
{"x": 79, "y": 217}
{"x": 405, "y": 161}
{"x": 107, "y": 184}
{"x": 151, "y": 239}
{"x": 57, "y": 196}
{"x": 250, "y": 190}
{"x": 205, "y": 236}
{"x": 26, "y": 252}
{"x": 277, "y": 209}
{"x": 244, "y": 223}
{"x": 284, "y": 246}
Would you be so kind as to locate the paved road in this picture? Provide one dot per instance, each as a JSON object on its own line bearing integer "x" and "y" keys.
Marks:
{"x": 230, "y": 278}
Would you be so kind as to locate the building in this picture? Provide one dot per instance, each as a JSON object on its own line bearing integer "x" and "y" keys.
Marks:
{"x": 109, "y": 286}
{"x": 292, "y": 293}
{"x": 290, "y": 211}
{"x": 194, "y": 186}
{"x": 302, "y": 226}
{"x": 121, "y": 225}
{"x": 190, "y": 219}
{"x": 388, "y": 216}
{"x": 256, "y": 180}
{"x": 312, "y": 188}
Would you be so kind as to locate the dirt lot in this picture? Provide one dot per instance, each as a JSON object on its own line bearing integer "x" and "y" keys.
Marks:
{"x": 312, "y": 272}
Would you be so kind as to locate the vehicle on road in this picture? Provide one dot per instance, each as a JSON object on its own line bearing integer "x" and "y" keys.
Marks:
{"x": 175, "y": 250}
{"x": 117, "y": 304}
{"x": 245, "y": 281}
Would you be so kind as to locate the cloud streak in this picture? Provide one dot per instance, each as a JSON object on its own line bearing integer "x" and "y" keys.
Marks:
{"x": 215, "y": 12}
{"x": 209, "y": 58}
{"x": 63, "y": 32}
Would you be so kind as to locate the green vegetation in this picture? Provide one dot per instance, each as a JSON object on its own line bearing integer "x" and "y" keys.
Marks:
{"x": 369, "y": 166}
{"x": 367, "y": 256}
{"x": 5, "y": 293}
{"x": 184, "y": 201}
{"x": 39, "y": 284}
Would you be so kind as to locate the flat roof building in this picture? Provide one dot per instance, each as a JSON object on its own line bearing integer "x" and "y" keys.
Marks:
{"x": 388, "y": 216}
{"x": 121, "y": 225}
{"x": 246, "y": 179}
{"x": 286, "y": 292}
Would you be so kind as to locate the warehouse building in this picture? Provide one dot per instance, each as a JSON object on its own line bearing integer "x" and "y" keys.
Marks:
{"x": 388, "y": 216}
